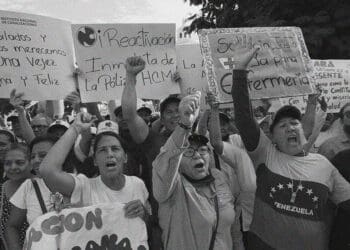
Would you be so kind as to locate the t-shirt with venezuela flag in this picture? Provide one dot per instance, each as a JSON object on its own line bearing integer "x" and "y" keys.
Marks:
{"x": 290, "y": 209}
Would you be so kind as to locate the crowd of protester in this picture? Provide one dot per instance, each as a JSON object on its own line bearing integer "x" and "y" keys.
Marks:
{"x": 198, "y": 178}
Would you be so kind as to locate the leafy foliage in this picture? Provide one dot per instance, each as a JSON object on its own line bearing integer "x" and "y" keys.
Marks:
{"x": 325, "y": 23}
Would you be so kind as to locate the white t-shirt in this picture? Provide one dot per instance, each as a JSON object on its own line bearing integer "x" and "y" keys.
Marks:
{"x": 93, "y": 191}
{"x": 26, "y": 198}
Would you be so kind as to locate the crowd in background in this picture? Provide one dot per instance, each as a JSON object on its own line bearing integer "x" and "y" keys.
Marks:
{"x": 200, "y": 178}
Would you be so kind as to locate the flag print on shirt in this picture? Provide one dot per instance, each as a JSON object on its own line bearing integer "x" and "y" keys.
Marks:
{"x": 292, "y": 197}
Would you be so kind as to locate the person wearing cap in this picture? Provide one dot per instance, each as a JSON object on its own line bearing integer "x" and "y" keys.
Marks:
{"x": 293, "y": 186}
{"x": 6, "y": 138}
{"x": 145, "y": 113}
{"x": 196, "y": 207}
{"x": 110, "y": 186}
{"x": 339, "y": 142}
{"x": 58, "y": 128}
{"x": 150, "y": 141}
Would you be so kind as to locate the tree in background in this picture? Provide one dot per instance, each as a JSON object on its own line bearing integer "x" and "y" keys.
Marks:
{"x": 325, "y": 23}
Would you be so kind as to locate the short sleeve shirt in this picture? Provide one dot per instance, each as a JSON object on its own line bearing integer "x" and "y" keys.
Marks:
{"x": 26, "y": 198}
{"x": 93, "y": 191}
{"x": 292, "y": 193}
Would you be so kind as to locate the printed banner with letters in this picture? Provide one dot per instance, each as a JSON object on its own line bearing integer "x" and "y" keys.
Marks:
{"x": 36, "y": 56}
{"x": 102, "y": 226}
{"x": 102, "y": 49}
{"x": 281, "y": 67}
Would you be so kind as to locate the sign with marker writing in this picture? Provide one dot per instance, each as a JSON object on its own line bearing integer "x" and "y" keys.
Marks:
{"x": 36, "y": 56}
{"x": 102, "y": 50}
{"x": 102, "y": 226}
{"x": 190, "y": 65}
{"x": 281, "y": 67}
{"x": 333, "y": 76}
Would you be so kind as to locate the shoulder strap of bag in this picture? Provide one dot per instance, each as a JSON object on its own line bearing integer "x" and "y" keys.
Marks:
{"x": 213, "y": 236}
{"x": 39, "y": 196}
{"x": 217, "y": 161}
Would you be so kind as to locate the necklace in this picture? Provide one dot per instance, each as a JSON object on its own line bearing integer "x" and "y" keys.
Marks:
{"x": 291, "y": 186}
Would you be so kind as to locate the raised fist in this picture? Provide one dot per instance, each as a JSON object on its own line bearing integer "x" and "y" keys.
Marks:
{"x": 134, "y": 65}
{"x": 189, "y": 108}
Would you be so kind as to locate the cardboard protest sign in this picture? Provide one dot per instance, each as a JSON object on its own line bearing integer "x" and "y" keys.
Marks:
{"x": 190, "y": 65}
{"x": 102, "y": 226}
{"x": 102, "y": 50}
{"x": 280, "y": 68}
{"x": 333, "y": 76}
{"x": 36, "y": 56}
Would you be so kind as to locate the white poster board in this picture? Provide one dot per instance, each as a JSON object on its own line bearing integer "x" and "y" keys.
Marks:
{"x": 281, "y": 67}
{"x": 190, "y": 65}
{"x": 102, "y": 50}
{"x": 36, "y": 56}
{"x": 102, "y": 226}
{"x": 333, "y": 76}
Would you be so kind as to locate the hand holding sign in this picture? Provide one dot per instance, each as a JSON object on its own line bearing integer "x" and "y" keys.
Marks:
{"x": 134, "y": 65}
{"x": 323, "y": 103}
{"x": 16, "y": 100}
{"x": 134, "y": 209}
{"x": 73, "y": 98}
{"x": 212, "y": 100}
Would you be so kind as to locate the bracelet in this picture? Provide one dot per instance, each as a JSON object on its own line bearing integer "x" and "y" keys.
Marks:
{"x": 184, "y": 126}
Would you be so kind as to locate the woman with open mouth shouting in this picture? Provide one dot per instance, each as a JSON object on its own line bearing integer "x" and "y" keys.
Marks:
{"x": 293, "y": 187}
{"x": 110, "y": 186}
{"x": 196, "y": 208}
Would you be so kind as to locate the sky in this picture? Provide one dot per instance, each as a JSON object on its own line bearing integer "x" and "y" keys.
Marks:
{"x": 105, "y": 11}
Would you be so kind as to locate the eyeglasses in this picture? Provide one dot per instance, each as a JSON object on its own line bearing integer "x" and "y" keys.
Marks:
{"x": 189, "y": 152}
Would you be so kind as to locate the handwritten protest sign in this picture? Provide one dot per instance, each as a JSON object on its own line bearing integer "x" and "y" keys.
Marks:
{"x": 36, "y": 56}
{"x": 190, "y": 65}
{"x": 280, "y": 68}
{"x": 102, "y": 226}
{"x": 333, "y": 76}
{"x": 102, "y": 49}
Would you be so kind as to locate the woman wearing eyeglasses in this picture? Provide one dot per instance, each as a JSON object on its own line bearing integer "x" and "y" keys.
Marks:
{"x": 196, "y": 208}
